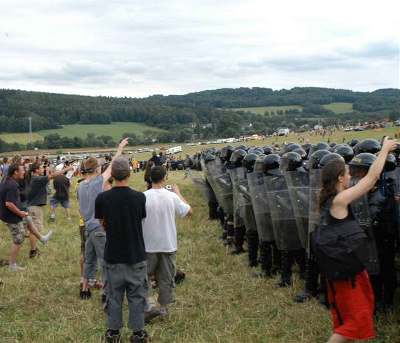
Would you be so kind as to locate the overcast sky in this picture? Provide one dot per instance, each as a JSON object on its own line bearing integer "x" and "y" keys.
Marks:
{"x": 138, "y": 48}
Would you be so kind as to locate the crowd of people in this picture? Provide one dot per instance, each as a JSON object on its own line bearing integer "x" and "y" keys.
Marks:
{"x": 128, "y": 238}
{"x": 332, "y": 209}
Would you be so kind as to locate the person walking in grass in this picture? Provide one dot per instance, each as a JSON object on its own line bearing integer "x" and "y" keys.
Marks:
{"x": 61, "y": 186}
{"x": 37, "y": 182}
{"x": 13, "y": 214}
{"x": 120, "y": 211}
{"x": 160, "y": 237}
{"x": 88, "y": 191}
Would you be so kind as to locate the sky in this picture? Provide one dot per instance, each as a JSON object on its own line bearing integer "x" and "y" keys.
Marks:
{"x": 139, "y": 48}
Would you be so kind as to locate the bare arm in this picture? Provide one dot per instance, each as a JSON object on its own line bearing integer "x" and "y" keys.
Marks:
{"x": 107, "y": 173}
{"x": 14, "y": 209}
{"x": 176, "y": 190}
{"x": 343, "y": 199}
{"x": 60, "y": 172}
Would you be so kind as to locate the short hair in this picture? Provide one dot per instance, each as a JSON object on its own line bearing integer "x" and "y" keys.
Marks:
{"x": 5, "y": 159}
{"x": 90, "y": 165}
{"x": 157, "y": 174}
{"x": 13, "y": 168}
{"x": 34, "y": 166}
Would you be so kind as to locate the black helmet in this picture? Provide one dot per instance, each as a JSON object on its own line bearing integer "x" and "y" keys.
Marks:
{"x": 243, "y": 147}
{"x": 364, "y": 159}
{"x": 368, "y": 145}
{"x": 390, "y": 164}
{"x": 353, "y": 142}
{"x": 259, "y": 164}
{"x": 268, "y": 150}
{"x": 256, "y": 150}
{"x": 316, "y": 156}
{"x": 328, "y": 158}
{"x": 292, "y": 161}
{"x": 236, "y": 158}
{"x": 321, "y": 146}
{"x": 301, "y": 152}
{"x": 291, "y": 147}
{"x": 271, "y": 162}
{"x": 226, "y": 153}
{"x": 332, "y": 145}
{"x": 345, "y": 151}
{"x": 209, "y": 157}
{"x": 249, "y": 160}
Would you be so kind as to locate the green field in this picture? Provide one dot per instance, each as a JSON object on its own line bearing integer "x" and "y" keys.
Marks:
{"x": 115, "y": 130}
{"x": 218, "y": 302}
{"x": 263, "y": 109}
{"x": 339, "y": 107}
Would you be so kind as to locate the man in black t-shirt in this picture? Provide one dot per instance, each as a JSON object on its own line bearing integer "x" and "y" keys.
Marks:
{"x": 121, "y": 211}
{"x": 61, "y": 186}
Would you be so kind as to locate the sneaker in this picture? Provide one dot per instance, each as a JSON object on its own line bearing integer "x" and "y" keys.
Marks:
{"x": 16, "y": 268}
{"x": 34, "y": 253}
{"x": 151, "y": 314}
{"x": 84, "y": 295}
{"x": 46, "y": 238}
{"x": 52, "y": 218}
{"x": 141, "y": 337}
{"x": 112, "y": 336}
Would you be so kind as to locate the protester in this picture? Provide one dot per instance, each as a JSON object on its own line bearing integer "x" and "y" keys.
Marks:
{"x": 88, "y": 191}
{"x": 4, "y": 169}
{"x": 121, "y": 211}
{"x": 352, "y": 301}
{"x": 61, "y": 186}
{"x": 147, "y": 176}
{"x": 160, "y": 237}
{"x": 12, "y": 214}
{"x": 37, "y": 198}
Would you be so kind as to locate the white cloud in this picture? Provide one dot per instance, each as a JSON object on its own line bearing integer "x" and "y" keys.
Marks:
{"x": 129, "y": 47}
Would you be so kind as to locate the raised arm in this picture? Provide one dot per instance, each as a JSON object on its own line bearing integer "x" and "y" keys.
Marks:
{"x": 107, "y": 173}
{"x": 343, "y": 199}
{"x": 52, "y": 175}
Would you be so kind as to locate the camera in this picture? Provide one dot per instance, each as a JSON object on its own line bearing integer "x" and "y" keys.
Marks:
{"x": 168, "y": 187}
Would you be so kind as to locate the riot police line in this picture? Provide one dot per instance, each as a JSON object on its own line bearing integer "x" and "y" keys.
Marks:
{"x": 268, "y": 198}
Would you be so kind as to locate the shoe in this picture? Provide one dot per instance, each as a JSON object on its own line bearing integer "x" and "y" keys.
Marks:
{"x": 151, "y": 314}
{"x": 46, "y": 238}
{"x": 302, "y": 297}
{"x": 84, "y": 295}
{"x": 34, "y": 253}
{"x": 141, "y": 337}
{"x": 52, "y": 218}
{"x": 179, "y": 276}
{"x": 238, "y": 251}
{"x": 112, "y": 336}
{"x": 284, "y": 284}
{"x": 16, "y": 268}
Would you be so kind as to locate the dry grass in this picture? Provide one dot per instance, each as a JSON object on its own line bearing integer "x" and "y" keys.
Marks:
{"x": 218, "y": 302}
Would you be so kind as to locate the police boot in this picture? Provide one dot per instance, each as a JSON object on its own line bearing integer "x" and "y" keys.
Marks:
{"x": 276, "y": 259}
{"x": 311, "y": 285}
{"x": 265, "y": 260}
{"x": 300, "y": 257}
{"x": 230, "y": 233}
{"x": 239, "y": 233}
{"x": 213, "y": 210}
{"x": 252, "y": 244}
{"x": 286, "y": 273}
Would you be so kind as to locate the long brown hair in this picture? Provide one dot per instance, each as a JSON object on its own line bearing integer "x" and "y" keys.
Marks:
{"x": 329, "y": 178}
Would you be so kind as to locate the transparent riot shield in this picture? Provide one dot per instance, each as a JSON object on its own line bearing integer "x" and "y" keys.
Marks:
{"x": 282, "y": 215}
{"x": 221, "y": 181}
{"x": 200, "y": 182}
{"x": 313, "y": 209}
{"x": 247, "y": 212}
{"x": 361, "y": 212}
{"x": 298, "y": 186}
{"x": 261, "y": 210}
{"x": 236, "y": 175}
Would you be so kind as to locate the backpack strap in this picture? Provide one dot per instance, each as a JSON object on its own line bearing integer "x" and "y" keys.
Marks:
{"x": 333, "y": 304}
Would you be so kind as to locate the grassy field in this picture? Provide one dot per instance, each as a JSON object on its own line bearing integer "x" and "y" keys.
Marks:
{"x": 218, "y": 302}
{"x": 115, "y": 130}
{"x": 339, "y": 107}
{"x": 262, "y": 110}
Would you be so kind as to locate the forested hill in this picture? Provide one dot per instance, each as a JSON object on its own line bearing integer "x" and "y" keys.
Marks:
{"x": 175, "y": 112}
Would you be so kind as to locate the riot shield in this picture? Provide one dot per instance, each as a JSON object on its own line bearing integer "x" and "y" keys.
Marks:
{"x": 201, "y": 184}
{"x": 313, "y": 208}
{"x": 260, "y": 206}
{"x": 298, "y": 186}
{"x": 236, "y": 175}
{"x": 247, "y": 209}
{"x": 221, "y": 182}
{"x": 360, "y": 209}
{"x": 282, "y": 215}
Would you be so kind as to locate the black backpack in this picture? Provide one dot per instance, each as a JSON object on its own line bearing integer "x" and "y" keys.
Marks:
{"x": 339, "y": 247}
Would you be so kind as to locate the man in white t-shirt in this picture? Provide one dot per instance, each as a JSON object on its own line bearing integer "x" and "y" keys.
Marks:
{"x": 159, "y": 233}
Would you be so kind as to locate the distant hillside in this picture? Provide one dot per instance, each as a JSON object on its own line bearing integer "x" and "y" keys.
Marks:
{"x": 203, "y": 114}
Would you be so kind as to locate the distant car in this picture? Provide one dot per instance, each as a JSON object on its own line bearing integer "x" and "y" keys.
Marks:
{"x": 397, "y": 123}
{"x": 359, "y": 129}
